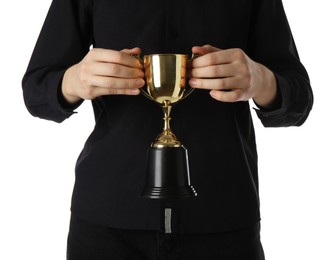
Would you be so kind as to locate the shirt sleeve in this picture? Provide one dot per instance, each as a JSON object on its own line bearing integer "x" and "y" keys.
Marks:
{"x": 272, "y": 44}
{"x": 64, "y": 40}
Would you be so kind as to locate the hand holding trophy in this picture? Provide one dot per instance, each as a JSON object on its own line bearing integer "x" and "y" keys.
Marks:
{"x": 167, "y": 166}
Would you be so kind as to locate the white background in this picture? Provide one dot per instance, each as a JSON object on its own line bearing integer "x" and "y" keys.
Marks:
{"x": 37, "y": 157}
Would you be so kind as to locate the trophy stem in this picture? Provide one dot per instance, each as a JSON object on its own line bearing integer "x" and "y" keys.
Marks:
{"x": 166, "y": 110}
{"x": 166, "y": 138}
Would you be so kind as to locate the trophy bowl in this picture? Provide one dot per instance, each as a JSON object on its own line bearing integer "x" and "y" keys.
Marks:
{"x": 168, "y": 168}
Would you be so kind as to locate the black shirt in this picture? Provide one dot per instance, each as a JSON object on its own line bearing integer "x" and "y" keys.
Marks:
{"x": 110, "y": 171}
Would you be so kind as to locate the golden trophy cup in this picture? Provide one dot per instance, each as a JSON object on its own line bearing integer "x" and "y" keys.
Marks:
{"x": 167, "y": 166}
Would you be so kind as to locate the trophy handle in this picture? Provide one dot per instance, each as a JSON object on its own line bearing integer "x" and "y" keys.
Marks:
{"x": 145, "y": 93}
{"x": 187, "y": 93}
{"x": 194, "y": 56}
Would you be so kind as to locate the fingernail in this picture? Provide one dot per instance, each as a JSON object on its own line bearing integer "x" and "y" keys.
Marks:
{"x": 141, "y": 74}
{"x": 213, "y": 93}
{"x": 139, "y": 82}
{"x": 135, "y": 91}
{"x": 193, "y": 82}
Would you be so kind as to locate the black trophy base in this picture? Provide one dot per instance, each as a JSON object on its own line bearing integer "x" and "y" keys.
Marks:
{"x": 169, "y": 192}
{"x": 168, "y": 174}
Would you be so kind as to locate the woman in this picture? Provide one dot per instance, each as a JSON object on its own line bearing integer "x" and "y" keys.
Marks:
{"x": 246, "y": 51}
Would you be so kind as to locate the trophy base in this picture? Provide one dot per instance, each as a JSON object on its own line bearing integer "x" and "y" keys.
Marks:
{"x": 169, "y": 192}
{"x": 168, "y": 174}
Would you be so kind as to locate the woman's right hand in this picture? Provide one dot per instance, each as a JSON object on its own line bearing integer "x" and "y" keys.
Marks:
{"x": 103, "y": 72}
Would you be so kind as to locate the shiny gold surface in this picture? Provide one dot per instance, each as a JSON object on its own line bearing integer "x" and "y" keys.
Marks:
{"x": 166, "y": 138}
{"x": 165, "y": 76}
{"x": 166, "y": 79}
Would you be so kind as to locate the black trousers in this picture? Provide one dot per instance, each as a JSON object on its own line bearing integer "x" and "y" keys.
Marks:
{"x": 87, "y": 241}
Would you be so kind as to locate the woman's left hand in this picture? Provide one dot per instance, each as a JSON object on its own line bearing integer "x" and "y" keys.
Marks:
{"x": 232, "y": 76}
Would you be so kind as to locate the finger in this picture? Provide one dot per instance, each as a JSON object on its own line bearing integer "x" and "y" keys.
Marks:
{"x": 227, "y": 96}
{"x": 112, "y": 56}
{"x": 99, "y": 91}
{"x": 214, "y": 84}
{"x": 133, "y": 51}
{"x": 216, "y": 71}
{"x": 116, "y": 70}
{"x": 214, "y": 58}
{"x": 116, "y": 83}
{"x": 202, "y": 50}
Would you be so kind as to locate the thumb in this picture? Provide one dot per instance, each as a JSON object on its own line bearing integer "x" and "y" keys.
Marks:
{"x": 205, "y": 49}
{"x": 133, "y": 51}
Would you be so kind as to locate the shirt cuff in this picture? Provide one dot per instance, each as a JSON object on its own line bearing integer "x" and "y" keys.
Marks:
{"x": 57, "y": 99}
{"x": 66, "y": 107}
{"x": 276, "y": 116}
